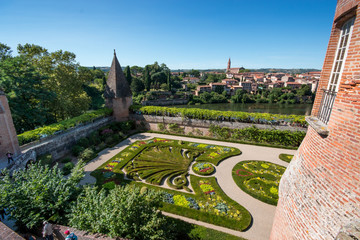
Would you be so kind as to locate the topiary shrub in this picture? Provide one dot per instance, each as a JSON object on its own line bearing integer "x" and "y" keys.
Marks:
{"x": 83, "y": 142}
{"x": 65, "y": 160}
{"x": 161, "y": 127}
{"x": 67, "y": 168}
{"x": 286, "y": 157}
{"x": 76, "y": 150}
{"x": 45, "y": 160}
{"x": 87, "y": 155}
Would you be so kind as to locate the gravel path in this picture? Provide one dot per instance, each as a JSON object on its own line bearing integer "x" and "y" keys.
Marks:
{"x": 262, "y": 213}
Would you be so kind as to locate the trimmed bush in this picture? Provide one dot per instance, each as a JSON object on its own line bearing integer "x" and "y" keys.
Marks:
{"x": 205, "y": 114}
{"x": 67, "y": 168}
{"x": 256, "y": 135}
{"x": 76, "y": 150}
{"x": 45, "y": 160}
{"x": 286, "y": 157}
{"x": 65, "y": 160}
{"x": 203, "y": 168}
{"x": 87, "y": 155}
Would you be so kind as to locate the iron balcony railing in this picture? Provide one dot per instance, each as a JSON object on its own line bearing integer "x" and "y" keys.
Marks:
{"x": 326, "y": 105}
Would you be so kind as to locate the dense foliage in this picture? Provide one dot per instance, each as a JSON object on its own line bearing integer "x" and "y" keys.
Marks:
{"x": 125, "y": 212}
{"x": 39, "y": 193}
{"x": 256, "y": 135}
{"x": 204, "y": 114}
{"x": 36, "y": 134}
{"x": 45, "y": 87}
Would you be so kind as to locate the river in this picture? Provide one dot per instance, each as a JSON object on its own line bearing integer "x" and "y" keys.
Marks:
{"x": 298, "y": 109}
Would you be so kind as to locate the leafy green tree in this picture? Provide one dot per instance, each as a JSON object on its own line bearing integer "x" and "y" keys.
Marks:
{"x": 158, "y": 78}
{"x": 39, "y": 193}
{"x": 62, "y": 78}
{"x": 137, "y": 85}
{"x": 136, "y": 69}
{"x": 29, "y": 99}
{"x": 122, "y": 212}
{"x": 128, "y": 76}
{"x": 169, "y": 80}
{"x": 147, "y": 78}
{"x": 5, "y": 52}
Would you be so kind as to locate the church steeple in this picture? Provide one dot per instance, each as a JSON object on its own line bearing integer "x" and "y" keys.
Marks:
{"x": 228, "y": 66}
{"x": 116, "y": 84}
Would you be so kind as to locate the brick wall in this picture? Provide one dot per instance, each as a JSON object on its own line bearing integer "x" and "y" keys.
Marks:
{"x": 8, "y": 138}
{"x": 320, "y": 190}
{"x": 7, "y": 234}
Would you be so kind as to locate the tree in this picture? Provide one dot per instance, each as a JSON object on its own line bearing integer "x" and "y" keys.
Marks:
{"x": 62, "y": 78}
{"x": 39, "y": 193}
{"x": 168, "y": 80}
{"x": 5, "y": 52}
{"x": 137, "y": 85}
{"x": 158, "y": 78}
{"x": 147, "y": 78}
{"x": 29, "y": 99}
{"x": 128, "y": 76}
{"x": 122, "y": 212}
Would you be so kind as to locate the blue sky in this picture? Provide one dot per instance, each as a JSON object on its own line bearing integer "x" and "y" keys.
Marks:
{"x": 180, "y": 33}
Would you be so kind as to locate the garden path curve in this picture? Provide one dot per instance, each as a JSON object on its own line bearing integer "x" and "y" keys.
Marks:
{"x": 262, "y": 213}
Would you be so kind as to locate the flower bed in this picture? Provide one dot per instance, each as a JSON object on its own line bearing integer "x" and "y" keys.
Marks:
{"x": 209, "y": 204}
{"x": 157, "y": 160}
{"x": 259, "y": 179}
{"x": 203, "y": 168}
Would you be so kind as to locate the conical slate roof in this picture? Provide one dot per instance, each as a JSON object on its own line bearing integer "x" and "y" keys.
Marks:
{"x": 116, "y": 84}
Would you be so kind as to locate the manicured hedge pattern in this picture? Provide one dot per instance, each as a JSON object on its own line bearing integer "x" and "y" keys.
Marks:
{"x": 259, "y": 179}
{"x": 205, "y": 114}
{"x": 157, "y": 166}
{"x": 45, "y": 131}
{"x": 203, "y": 168}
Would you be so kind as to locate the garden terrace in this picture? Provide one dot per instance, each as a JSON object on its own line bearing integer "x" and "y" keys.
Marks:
{"x": 56, "y": 128}
{"x": 204, "y": 114}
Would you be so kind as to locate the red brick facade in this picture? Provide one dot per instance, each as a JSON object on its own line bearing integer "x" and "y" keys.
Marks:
{"x": 8, "y": 138}
{"x": 320, "y": 191}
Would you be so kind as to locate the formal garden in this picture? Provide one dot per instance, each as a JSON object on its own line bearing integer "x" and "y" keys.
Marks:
{"x": 165, "y": 162}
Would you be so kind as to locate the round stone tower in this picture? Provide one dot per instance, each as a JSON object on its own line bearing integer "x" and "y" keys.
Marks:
{"x": 320, "y": 190}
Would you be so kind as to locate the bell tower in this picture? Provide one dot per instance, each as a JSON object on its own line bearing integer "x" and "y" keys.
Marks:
{"x": 117, "y": 91}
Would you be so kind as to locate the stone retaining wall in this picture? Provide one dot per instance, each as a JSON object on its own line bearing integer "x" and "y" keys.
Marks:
{"x": 190, "y": 124}
{"x": 164, "y": 102}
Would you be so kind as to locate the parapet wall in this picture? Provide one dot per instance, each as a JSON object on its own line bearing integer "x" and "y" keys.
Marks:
{"x": 59, "y": 145}
{"x": 195, "y": 123}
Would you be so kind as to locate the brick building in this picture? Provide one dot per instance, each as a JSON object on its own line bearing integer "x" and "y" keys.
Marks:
{"x": 320, "y": 191}
{"x": 8, "y": 137}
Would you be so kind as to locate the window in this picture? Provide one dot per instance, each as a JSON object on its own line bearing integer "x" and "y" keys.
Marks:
{"x": 329, "y": 95}
{"x": 341, "y": 53}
